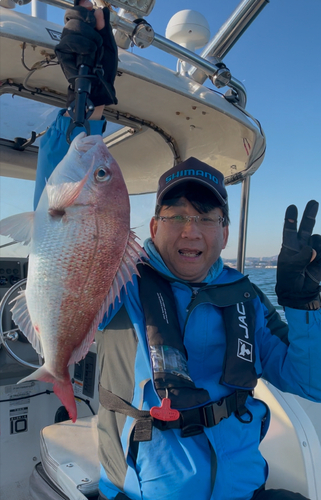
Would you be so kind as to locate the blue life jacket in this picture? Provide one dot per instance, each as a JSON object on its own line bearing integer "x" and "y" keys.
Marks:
{"x": 168, "y": 357}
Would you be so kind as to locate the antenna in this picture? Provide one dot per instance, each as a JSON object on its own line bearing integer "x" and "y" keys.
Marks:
{"x": 189, "y": 29}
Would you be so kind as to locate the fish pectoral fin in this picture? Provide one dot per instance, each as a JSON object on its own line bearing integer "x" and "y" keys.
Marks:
{"x": 21, "y": 317}
{"x": 61, "y": 196}
{"x": 19, "y": 227}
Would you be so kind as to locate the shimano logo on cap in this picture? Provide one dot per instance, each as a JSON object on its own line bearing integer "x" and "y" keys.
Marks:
{"x": 191, "y": 172}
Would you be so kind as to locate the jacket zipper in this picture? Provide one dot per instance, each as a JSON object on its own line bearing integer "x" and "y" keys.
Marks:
{"x": 193, "y": 297}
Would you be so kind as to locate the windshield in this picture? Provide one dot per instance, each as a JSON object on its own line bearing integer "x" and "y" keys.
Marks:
{"x": 21, "y": 116}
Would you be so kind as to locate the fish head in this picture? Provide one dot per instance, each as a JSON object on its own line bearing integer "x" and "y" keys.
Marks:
{"x": 88, "y": 176}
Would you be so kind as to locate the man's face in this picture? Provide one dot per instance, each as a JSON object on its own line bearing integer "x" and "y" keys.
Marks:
{"x": 188, "y": 251}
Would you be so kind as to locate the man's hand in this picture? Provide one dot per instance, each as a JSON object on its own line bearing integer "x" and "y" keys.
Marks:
{"x": 299, "y": 262}
{"x": 87, "y": 39}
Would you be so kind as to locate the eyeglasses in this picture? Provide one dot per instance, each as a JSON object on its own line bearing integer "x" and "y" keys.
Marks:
{"x": 181, "y": 220}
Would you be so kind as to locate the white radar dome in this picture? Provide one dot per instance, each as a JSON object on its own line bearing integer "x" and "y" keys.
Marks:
{"x": 189, "y": 29}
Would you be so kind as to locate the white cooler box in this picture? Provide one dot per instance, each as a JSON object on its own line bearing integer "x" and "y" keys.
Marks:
{"x": 69, "y": 468}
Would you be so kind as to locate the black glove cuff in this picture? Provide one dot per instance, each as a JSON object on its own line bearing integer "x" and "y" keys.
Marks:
{"x": 313, "y": 305}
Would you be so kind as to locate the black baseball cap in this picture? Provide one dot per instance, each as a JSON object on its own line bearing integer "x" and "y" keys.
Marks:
{"x": 193, "y": 170}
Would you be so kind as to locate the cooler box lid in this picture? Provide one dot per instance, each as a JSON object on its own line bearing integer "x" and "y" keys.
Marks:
{"x": 69, "y": 454}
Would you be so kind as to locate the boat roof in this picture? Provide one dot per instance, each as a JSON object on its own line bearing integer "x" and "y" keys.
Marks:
{"x": 162, "y": 117}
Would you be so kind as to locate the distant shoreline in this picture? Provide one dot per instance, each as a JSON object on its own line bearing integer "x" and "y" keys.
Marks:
{"x": 255, "y": 262}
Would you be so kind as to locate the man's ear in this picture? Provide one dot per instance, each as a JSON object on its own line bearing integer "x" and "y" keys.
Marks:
{"x": 153, "y": 227}
{"x": 226, "y": 233}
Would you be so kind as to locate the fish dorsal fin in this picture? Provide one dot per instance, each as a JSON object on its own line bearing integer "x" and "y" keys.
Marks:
{"x": 20, "y": 316}
{"x": 19, "y": 227}
{"x": 132, "y": 256}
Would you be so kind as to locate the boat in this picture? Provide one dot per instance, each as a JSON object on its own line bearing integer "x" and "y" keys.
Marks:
{"x": 162, "y": 117}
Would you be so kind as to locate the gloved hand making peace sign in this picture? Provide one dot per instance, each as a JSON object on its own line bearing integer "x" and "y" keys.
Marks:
{"x": 299, "y": 262}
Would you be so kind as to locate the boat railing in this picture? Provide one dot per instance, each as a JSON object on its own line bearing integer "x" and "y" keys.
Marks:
{"x": 209, "y": 63}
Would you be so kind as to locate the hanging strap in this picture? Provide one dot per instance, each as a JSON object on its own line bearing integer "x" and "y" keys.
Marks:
{"x": 191, "y": 422}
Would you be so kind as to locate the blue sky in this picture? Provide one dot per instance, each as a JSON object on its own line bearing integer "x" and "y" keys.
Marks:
{"x": 278, "y": 60}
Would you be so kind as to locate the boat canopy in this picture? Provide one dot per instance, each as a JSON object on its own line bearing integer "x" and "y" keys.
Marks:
{"x": 165, "y": 117}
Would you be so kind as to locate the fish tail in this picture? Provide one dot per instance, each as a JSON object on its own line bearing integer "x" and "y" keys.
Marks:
{"x": 65, "y": 393}
{"x": 62, "y": 388}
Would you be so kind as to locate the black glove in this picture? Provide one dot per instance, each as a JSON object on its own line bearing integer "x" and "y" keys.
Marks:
{"x": 109, "y": 63}
{"x": 298, "y": 279}
{"x": 81, "y": 44}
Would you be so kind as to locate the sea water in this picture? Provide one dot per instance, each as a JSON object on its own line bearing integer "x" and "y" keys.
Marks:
{"x": 265, "y": 279}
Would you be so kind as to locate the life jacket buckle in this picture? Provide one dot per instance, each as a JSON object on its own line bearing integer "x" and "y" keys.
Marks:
{"x": 215, "y": 412}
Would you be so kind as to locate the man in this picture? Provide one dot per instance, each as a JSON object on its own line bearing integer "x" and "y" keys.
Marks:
{"x": 222, "y": 461}
{"x": 181, "y": 352}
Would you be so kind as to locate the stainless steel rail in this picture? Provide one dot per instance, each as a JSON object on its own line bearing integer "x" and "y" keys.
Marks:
{"x": 202, "y": 64}
{"x": 204, "y": 67}
{"x": 229, "y": 33}
{"x": 62, "y": 4}
{"x": 241, "y": 249}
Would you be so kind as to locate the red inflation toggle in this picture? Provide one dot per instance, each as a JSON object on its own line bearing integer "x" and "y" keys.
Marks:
{"x": 165, "y": 412}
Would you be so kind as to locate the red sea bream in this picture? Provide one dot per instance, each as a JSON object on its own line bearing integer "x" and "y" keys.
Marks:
{"x": 82, "y": 252}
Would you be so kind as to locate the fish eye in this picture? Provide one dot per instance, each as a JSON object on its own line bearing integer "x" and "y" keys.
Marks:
{"x": 102, "y": 174}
